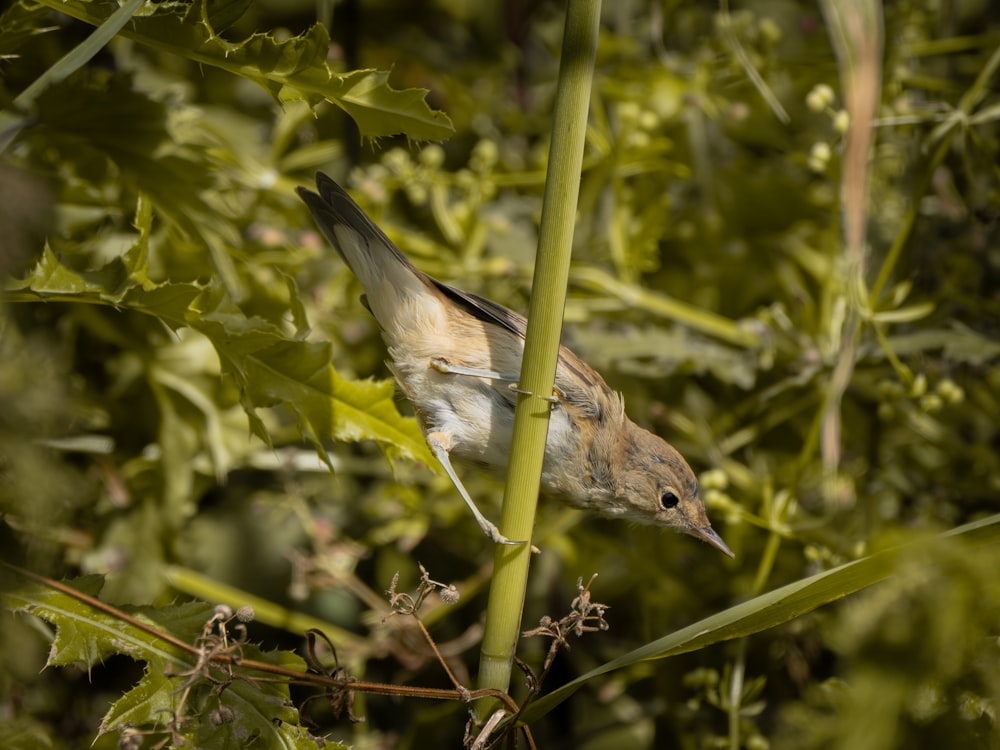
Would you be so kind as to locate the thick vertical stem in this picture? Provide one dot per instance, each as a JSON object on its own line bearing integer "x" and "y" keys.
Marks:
{"x": 548, "y": 297}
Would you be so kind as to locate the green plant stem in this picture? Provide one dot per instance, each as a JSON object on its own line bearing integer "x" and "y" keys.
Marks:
{"x": 541, "y": 349}
{"x": 855, "y": 30}
{"x": 776, "y": 511}
{"x": 735, "y": 702}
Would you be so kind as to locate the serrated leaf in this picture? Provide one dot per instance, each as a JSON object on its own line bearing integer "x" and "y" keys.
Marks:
{"x": 242, "y": 713}
{"x": 89, "y": 115}
{"x": 168, "y": 302}
{"x": 380, "y": 110}
{"x": 294, "y": 68}
{"x": 113, "y": 284}
{"x": 169, "y": 690}
{"x": 150, "y": 702}
{"x": 51, "y": 277}
{"x": 270, "y": 368}
{"x": 86, "y": 635}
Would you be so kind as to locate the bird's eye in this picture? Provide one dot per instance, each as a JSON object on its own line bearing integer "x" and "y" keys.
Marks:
{"x": 669, "y": 500}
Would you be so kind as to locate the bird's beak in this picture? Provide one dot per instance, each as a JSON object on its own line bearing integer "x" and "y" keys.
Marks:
{"x": 707, "y": 534}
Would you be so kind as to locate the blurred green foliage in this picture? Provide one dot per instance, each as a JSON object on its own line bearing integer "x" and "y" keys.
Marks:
{"x": 170, "y": 316}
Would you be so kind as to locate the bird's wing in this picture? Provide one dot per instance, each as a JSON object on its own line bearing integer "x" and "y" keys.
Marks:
{"x": 492, "y": 312}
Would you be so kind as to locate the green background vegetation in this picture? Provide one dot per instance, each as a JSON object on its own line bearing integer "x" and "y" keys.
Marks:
{"x": 177, "y": 341}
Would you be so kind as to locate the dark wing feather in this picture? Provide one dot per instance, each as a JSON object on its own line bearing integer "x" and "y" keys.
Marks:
{"x": 491, "y": 312}
{"x": 334, "y": 206}
{"x": 486, "y": 310}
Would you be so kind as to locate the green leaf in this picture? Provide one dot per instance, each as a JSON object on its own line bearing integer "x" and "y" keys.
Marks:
{"x": 151, "y": 701}
{"x": 768, "y": 610}
{"x": 294, "y": 68}
{"x": 86, "y": 635}
{"x": 116, "y": 284}
{"x": 259, "y": 710}
{"x": 88, "y": 116}
{"x": 380, "y": 110}
{"x": 270, "y": 370}
{"x": 246, "y": 710}
{"x": 224, "y": 13}
{"x": 904, "y": 314}
{"x": 269, "y": 367}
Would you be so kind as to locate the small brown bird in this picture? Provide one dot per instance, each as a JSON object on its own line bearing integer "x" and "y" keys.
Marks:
{"x": 457, "y": 358}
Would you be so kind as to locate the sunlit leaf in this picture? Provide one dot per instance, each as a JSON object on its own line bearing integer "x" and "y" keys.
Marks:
{"x": 85, "y": 635}
{"x": 293, "y": 68}
{"x": 269, "y": 367}
{"x": 270, "y": 370}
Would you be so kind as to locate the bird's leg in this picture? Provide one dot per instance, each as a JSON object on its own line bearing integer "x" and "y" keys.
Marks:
{"x": 442, "y": 365}
{"x": 439, "y": 443}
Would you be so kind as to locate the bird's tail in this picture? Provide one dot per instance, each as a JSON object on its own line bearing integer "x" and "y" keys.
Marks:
{"x": 390, "y": 281}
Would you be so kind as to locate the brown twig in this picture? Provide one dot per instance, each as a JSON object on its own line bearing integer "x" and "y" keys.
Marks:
{"x": 228, "y": 659}
{"x": 404, "y": 604}
{"x": 585, "y": 616}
